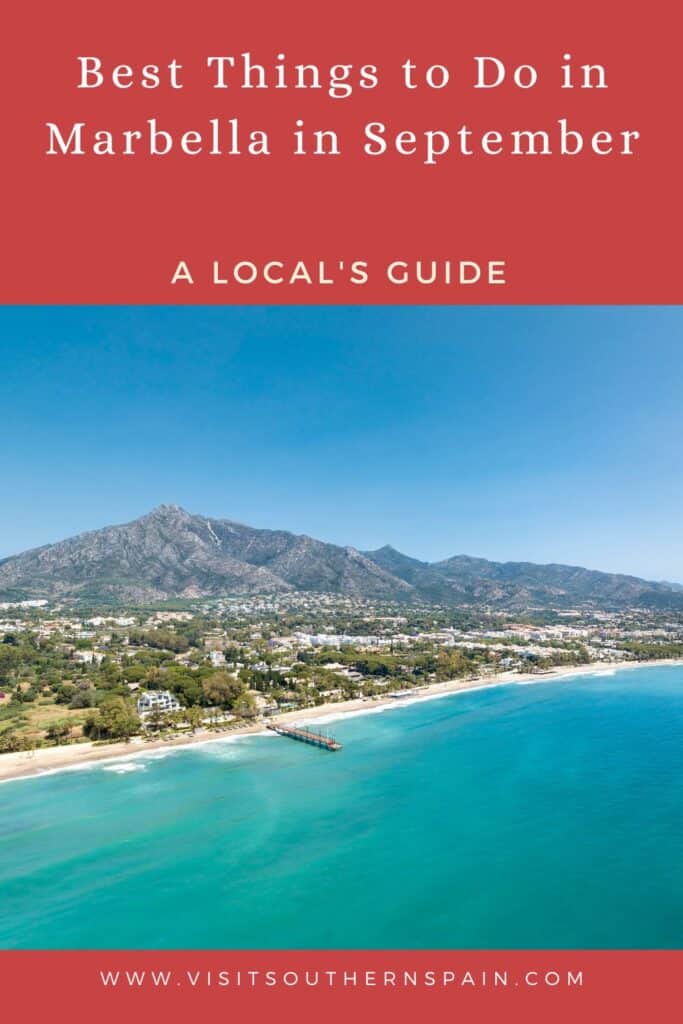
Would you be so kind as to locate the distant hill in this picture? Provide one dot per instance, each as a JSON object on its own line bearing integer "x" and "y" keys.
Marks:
{"x": 520, "y": 585}
{"x": 171, "y": 553}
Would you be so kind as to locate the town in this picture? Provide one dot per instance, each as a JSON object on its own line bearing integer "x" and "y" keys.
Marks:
{"x": 69, "y": 674}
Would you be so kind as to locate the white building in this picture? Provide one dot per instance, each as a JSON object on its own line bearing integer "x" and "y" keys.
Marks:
{"x": 89, "y": 657}
{"x": 157, "y": 700}
{"x": 22, "y": 604}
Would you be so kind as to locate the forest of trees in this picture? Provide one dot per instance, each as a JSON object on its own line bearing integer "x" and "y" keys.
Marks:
{"x": 94, "y": 699}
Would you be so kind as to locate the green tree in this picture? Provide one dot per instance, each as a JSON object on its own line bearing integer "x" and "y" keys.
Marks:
{"x": 9, "y": 741}
{"x": 59, "y": 732}
{"x": 245, "y": 705}
{"x": 194, "y": 716}
{"x": 115, "y": 719}
{"x": 222, "y": 689}
{"x": 155, "y": 719}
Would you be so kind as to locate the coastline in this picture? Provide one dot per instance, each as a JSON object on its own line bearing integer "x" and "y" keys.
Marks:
{"x": 49, "y": 760}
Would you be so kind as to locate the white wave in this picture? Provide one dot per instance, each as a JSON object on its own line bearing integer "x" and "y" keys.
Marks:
{"x": 122, "y": 768}
{"x": 43, "y": 773}
{"x": 219, "y": 751}
{"x": 225, "y": 748}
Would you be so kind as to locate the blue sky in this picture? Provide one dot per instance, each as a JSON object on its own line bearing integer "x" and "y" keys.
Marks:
{"x": 539, "y": 433}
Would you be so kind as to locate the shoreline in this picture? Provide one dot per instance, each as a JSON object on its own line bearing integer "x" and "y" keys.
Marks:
{"x": 50, "y": 760}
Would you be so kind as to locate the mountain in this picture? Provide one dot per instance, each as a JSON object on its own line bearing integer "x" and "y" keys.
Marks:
{"x": 423, "y": 577}
{"x": 171, "y": 553}
{"x": 678, "y": 587}
{"x": 521, "y": 585}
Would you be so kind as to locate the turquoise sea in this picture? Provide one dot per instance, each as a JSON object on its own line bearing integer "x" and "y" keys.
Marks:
{"x": 544, "y": 815}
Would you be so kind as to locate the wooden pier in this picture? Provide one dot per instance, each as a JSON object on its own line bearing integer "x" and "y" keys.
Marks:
{"x": 316, "y": 739}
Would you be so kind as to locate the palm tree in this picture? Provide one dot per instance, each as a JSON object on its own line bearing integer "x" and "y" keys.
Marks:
{"x": 177, "y": 718}
{"x": 194, "y": 717}
{"x": 155, "y": 719}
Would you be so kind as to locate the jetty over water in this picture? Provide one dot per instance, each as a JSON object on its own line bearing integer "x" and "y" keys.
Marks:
{"x": 316, "y": 739}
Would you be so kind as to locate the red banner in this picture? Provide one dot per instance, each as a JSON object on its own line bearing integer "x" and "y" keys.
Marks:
{"x": 434, "y": 196}
{"x": 479, "y": 987}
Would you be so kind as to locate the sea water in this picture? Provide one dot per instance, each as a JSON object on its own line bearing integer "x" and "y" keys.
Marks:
{"x": 544, "y": 815}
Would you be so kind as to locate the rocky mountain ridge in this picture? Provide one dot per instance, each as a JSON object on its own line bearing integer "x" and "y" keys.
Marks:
{"x": 171, "y": 553}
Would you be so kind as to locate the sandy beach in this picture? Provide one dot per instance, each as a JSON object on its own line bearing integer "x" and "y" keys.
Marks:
{"x": 74, "y": 755}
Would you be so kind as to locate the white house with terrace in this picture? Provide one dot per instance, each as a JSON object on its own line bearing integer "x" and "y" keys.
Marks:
{"x": 157, "y": 700}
